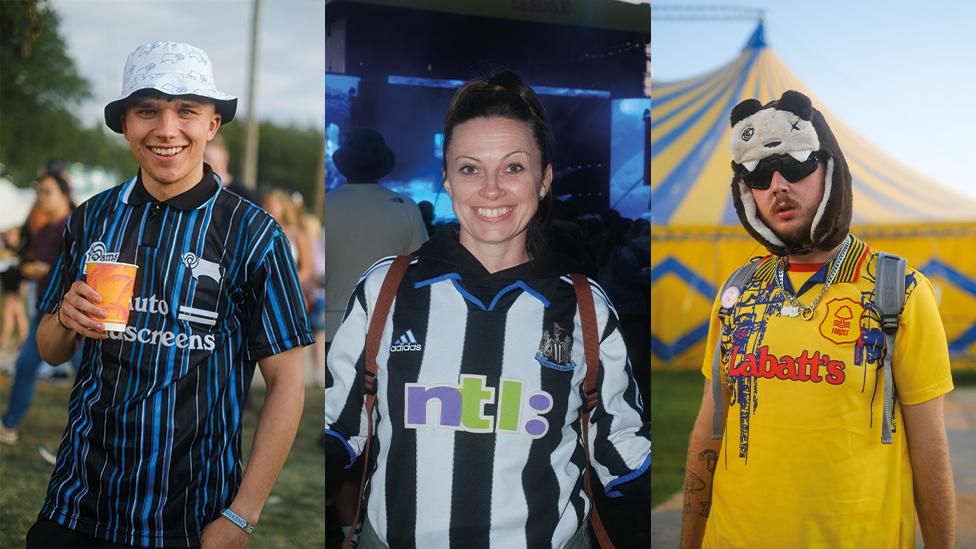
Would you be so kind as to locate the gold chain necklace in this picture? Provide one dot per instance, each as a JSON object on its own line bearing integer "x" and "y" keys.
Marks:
{"x": 796, "y": 307}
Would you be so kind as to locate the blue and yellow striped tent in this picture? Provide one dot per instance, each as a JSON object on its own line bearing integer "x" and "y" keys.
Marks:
{"x": 697, "y": 239}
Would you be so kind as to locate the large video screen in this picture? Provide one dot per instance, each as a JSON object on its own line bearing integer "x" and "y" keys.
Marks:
{"x": 599, "y": 141}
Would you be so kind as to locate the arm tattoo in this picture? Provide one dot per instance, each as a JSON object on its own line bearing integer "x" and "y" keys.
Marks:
{"x": 694, "y": 484}
{"x": 710, "y": 457}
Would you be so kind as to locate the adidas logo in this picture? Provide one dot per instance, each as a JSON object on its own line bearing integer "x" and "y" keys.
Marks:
{"x": 406, "y": 343}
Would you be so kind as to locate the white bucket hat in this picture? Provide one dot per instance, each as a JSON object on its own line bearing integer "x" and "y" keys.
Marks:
{"x": 172, "y": 68}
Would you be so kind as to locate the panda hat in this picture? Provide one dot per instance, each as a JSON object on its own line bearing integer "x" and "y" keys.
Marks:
{"x": 789, "y": 126}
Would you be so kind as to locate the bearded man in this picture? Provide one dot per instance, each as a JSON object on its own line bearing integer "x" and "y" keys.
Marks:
{"x": 821, "y": 423}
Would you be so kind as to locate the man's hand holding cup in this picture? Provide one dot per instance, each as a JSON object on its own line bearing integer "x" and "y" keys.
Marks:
{"x": 101, "y": 303}
{"x": 79, "y": 311}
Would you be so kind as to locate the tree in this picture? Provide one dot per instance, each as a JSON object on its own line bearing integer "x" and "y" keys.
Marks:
{"x": 39, "y": 84}
{"x": 288, "y": 157}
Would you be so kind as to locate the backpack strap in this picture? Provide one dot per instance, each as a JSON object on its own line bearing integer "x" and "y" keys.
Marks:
{"x": 889, "y": 295}
{"x": 738, "y": 281}
{"x": 374, "y": 335}
{"x": 591, "y": 395}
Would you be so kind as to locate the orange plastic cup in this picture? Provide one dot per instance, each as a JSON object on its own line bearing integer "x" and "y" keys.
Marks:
{"x": 115, "y": 282}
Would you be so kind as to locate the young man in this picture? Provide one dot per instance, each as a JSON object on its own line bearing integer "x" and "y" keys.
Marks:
{"x": 821, "y": 448}
{"x": 151, "y": 455}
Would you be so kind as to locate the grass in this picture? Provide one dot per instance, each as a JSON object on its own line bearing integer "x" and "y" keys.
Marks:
{"x": 293, "y": 517}
{"x": 964, "y": 378}
{"x": 675, "y": 399}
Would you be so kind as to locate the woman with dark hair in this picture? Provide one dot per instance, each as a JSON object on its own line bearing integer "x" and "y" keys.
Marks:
{"x": 479, "y": 370}
{"x": 45, "y": 228}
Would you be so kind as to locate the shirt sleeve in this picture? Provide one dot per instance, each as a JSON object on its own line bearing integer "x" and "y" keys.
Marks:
{"x": 620, "y": 431}
{"x": 278, "y": 321}
{"x": 920, "y": 364}
{"x": 345, "y": 410}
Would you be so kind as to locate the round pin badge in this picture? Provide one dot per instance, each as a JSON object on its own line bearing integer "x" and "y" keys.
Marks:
{"x": 730, "y": 296}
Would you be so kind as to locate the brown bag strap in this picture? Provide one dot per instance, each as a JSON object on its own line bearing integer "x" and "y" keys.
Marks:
{"x": 377, "y": 321}
{"x": 374, "y": 336}
{"x": 591, "y": 396}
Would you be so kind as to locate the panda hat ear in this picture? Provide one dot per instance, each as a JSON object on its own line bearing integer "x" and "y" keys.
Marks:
{"x": 744, "y": 110}
{"x": 796, "y": 103}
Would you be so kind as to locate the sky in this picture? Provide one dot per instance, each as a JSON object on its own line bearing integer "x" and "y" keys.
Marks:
{"x": 100, "y": 34}
{"x": 899, "y": 73}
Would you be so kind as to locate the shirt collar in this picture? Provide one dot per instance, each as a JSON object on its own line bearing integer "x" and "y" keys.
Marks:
{"x": 191, "y": 199}
{"x": 850, "y": 269}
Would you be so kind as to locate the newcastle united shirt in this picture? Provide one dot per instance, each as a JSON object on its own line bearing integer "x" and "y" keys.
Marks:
{"x": 477, "y": 437}
{"x": 152, "y": 449}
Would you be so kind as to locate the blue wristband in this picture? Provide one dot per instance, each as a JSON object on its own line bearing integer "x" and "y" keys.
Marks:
{"x": 240, "y": 521}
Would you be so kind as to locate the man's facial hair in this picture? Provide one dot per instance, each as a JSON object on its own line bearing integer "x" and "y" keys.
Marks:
{"x": 797, "y": 238}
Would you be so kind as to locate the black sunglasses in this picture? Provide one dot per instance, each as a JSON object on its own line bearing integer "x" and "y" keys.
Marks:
{"x": 790, "y": 168}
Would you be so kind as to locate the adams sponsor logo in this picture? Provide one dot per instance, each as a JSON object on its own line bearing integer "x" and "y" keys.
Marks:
{"x": 96, "y": 253}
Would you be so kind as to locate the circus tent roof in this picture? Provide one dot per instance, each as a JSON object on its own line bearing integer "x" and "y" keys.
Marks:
{"x": 690, "y": 171}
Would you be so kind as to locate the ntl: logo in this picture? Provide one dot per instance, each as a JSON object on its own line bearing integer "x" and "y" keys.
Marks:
{"x": 462, "y": 406}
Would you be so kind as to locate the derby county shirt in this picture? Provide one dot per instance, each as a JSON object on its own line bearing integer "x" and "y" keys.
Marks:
{"x": 152, "y": 449}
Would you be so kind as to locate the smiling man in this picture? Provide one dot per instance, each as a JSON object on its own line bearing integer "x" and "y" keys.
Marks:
{"x": 821, "y": 421}
{"x": 167, "y": 136}
{"x": 151, "y": 455}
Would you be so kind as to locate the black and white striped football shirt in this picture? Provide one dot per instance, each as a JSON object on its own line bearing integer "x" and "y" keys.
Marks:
{"x": 477, "y": 438}
{"x": 152, "y": 449}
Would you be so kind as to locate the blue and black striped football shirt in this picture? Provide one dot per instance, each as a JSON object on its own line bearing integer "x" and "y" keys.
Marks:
{"x": 152, "y": 449}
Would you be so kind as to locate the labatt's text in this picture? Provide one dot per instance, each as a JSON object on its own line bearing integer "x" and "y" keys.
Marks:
{"x": 806, "y": 367}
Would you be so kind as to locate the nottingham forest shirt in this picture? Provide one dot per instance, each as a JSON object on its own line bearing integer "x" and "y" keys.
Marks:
{"x": 152, "y": 449}
{"x": 802, "y": 463}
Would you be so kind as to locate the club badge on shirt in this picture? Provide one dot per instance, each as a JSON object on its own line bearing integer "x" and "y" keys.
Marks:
{"x": 200, "y": 267}
{"x": 556, "y": 349}
{"x": 842, "y": 323}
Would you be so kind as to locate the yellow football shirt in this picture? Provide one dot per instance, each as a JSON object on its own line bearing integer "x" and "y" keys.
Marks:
{"x": 802, "y": 464}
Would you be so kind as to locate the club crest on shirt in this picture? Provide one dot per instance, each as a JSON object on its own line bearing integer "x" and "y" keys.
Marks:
{"x": 556, "y": 349}
{"x": 842, "y": 323}
{"x": 200, "y": 267}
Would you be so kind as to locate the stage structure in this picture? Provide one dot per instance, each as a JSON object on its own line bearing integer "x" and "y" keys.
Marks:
{"x": 393, "y": 65}
{"x": 696, "y": 237}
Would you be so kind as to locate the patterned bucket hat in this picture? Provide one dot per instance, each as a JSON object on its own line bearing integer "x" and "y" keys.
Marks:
{"x": 172, "y": 68}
